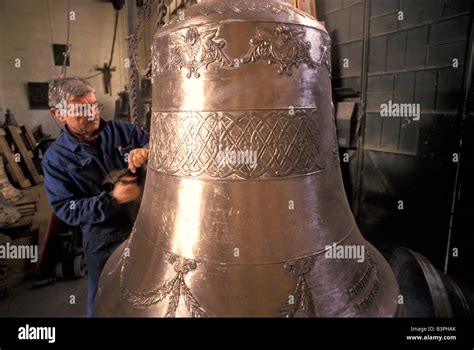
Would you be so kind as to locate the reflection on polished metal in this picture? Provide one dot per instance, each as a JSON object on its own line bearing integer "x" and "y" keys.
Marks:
{"x": 244, "y": 211}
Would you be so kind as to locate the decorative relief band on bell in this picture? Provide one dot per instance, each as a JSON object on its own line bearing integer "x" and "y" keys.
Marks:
{"x": 174, "y": 289}
{"x": 174, "y": 295}
{"x": 362, "y": 283}
{"x": 325, "y": 48}
{"x": 370, "y": 277}
{"x": 301, "y": 303}
{"x": 196, "y": 50}
{"x": 236, "y": 145}
{"x": 284, "y": 46}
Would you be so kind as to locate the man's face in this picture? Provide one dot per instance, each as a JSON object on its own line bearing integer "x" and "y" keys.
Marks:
{"x": 82, "y": 115}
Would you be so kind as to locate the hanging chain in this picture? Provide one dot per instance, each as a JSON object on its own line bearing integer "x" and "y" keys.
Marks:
{"x": 133, "y": 40}
{"x": 67, "y": 53}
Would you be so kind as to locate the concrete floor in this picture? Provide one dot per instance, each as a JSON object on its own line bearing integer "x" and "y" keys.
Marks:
{"x": 62, "y": 299}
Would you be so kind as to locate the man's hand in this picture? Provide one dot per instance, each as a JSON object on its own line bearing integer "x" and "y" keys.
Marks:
{"x": 137, "y": 158}
{"x": 126, "y": 190}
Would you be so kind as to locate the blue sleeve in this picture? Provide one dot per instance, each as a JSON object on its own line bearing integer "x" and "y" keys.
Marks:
{"x": 140, "y": 136}
{"x": 72, "y": 208}
{"x": 135, "y": 134}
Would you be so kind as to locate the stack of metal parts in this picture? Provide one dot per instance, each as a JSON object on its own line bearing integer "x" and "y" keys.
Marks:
{"x": 244, "y": 211}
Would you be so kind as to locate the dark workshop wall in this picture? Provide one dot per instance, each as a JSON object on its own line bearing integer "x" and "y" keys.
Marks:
{"x": 400, "y": 159}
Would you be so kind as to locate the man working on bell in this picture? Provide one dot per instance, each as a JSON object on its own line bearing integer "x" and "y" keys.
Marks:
{"x": 76, "y": 165}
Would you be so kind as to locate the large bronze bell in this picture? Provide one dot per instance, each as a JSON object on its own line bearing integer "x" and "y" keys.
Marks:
{"x": 244, "y": 211}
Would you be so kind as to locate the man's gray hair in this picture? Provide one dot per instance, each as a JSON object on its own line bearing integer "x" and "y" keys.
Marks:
{"x": 64, "y": 89}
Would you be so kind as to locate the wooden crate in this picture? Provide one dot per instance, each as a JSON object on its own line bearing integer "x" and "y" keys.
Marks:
{"x": 16, "y": 136}
{"x": 30, "y": 142}
{"x": 28, "y": 137}
{"x": 12, "y": 167}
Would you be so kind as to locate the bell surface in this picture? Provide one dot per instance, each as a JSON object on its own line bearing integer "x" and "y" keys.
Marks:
{"x": 244, "y": 212}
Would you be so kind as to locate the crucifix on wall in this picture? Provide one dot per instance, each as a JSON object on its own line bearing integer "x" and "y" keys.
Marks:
{"x": 107, "y": 77}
